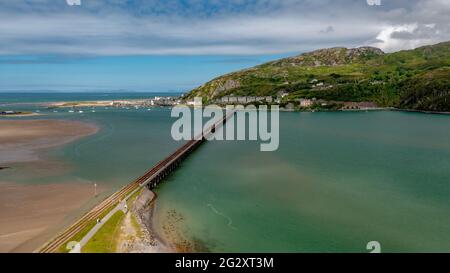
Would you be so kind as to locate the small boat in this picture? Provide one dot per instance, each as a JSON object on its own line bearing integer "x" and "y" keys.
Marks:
{"x": 80, "y": 111}
{"x": 71, "y": 111}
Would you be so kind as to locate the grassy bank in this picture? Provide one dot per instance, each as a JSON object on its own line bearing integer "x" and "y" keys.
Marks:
{"x": 105, "y": 240}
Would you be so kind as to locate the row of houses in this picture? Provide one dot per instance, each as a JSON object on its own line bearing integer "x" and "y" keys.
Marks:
{"x": 165, "y": 101}
{"x": 244, "y": 100}
{"x": 157, "y": 101}
{"x": 302, "y": 102}
{"x": 248, "y": 99}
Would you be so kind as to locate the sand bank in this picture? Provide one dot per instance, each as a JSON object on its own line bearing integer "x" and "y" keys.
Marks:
{"x": 80, "y": 104}
{"x": 20, "y": 115}
{"x": 20, "y": 140}
{"x": 31, "y": 214}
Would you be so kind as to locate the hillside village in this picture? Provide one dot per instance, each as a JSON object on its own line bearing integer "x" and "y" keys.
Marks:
{"x": 341, "y": 79}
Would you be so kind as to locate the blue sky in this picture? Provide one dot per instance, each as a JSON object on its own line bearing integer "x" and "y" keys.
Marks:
{"x": 176, "y": 45}
{"x": 160, "y": 73}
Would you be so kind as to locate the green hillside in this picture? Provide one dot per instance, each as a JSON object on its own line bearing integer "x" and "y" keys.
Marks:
{"x": 411, "y": 79}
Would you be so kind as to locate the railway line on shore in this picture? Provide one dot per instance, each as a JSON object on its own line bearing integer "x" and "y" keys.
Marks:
{"x": 151, "y": 179}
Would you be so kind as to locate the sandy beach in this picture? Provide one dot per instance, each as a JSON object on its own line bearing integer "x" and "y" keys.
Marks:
{"x": 65, "y": 104}
{"x": 20, "y": 115}
{"x": 30, "y": 214}
{"x": 100, "y": 103}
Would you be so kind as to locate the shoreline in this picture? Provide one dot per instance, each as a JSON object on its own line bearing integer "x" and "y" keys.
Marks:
{"x": 143, "y": 238}
{"x": 421, "y": 111}
{"x": 31, "y": 213}
{"x": 21, "y": 115}
{"x": 152, "y": 239}
{"x": 169, "y": 234}
{"x": 138, "y": 102}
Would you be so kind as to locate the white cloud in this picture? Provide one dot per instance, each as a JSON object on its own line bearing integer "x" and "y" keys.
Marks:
{"x": 388, "y": 42}
{"x": 424, "y": 22}
{"x": 112, "y": 28}
{"x": 119, "y": 35}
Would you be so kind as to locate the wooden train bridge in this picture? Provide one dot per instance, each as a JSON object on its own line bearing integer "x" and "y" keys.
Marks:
{"x": 150, "y": 179}
{"x": 155, "y": 176}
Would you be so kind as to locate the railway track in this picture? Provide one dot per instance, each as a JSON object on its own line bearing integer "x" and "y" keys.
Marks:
{"x": 64, "y": 237}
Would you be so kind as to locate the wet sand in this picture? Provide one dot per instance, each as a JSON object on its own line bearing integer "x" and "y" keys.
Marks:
{"x": 29, "y": 214}
{"x": 20, "y": 140}
{"x": 32, "y": 214}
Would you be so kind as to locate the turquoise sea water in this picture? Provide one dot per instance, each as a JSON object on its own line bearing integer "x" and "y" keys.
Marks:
{"x": 338, "y": 180}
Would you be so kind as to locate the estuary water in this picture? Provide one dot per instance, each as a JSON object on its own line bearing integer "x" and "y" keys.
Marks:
{"x": 337, "y": 181}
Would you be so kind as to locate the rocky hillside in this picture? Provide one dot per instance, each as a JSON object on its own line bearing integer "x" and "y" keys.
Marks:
{"x": 331, "y": 57}
{"x": 412, "y": 79}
